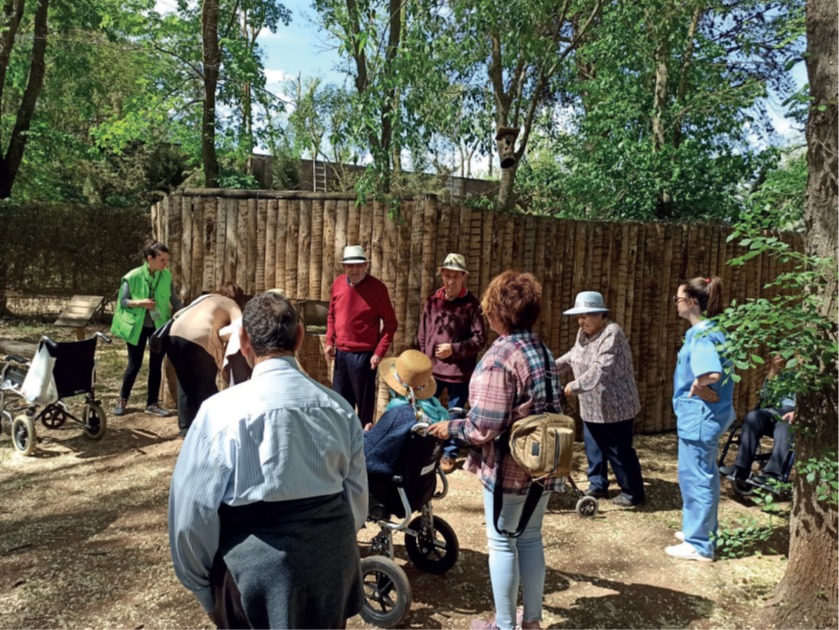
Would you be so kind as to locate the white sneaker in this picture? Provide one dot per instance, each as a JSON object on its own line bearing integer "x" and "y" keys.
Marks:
{"x": 686, "y": 551}
{"x": 680, "y": 536}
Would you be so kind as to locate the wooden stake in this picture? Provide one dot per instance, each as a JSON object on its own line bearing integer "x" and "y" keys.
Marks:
{"x": 261, "y": 245}
{"x": 316, "y": 266}
{"x": 304, "y": 249}
{"x": 271, "y": 244}
{"x": 292, "y": 245}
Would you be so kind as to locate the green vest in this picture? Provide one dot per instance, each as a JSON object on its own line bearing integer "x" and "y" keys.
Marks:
{"x": 128, "y": 322}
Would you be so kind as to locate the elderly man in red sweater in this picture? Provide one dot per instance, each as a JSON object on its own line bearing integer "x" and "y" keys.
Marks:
{"x": 359, "y": 331}
{"x": 452, "y": 333}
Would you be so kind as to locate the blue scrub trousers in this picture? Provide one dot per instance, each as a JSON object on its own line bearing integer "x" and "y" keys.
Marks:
{"x": 458, "y": 397}
{"x": 699, "y": 481}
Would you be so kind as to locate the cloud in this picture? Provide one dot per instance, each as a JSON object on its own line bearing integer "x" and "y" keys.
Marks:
{"x": 276, "y": 76}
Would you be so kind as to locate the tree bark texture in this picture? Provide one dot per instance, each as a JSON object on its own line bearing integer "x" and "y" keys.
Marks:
{"x": 212, "y": 62}
{"x": 806, "y": 597}
{"x": 12, "y": 13}
{"x": 20, "y": 136}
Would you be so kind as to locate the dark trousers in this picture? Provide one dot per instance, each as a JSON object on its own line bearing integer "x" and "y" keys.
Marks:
{"x": 196, "y": 370}
{"x": 458, "y": 397}
{"x": 356, "y": 382}
{"x": 228, "y": 611}
{"x": 611, "y": 443}
{"x": 135, "y": 362}
{"x": 757, "y": 424}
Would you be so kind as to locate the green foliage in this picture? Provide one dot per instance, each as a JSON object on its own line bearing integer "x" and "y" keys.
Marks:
{"x": 824, "y": 472}
{"x": 742, "y": 539}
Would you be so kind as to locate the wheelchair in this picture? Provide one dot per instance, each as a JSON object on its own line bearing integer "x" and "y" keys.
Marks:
{"x": 431, "y": 543}
{"x": 747, "y": 488}
{"x": 72, "y": 373}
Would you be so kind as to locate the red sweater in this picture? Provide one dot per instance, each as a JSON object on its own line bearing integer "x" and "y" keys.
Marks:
{"x": 355, "y": 313}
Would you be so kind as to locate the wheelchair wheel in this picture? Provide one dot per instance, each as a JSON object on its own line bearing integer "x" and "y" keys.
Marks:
{"x": 587, "y": 507}
{"x": 95, "y": 421}
{"x": 387, "y": 592}
{"x": 23, "y": 435}
{"x": 432, "y": 556}
{"x": 742, "y": 488}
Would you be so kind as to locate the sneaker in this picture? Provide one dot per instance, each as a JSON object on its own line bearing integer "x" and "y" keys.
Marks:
{"x": 447, "y": 465}
{"x": 597, "y": 494}
{"x": 686, "y": 551}
{"x": 157, "y": 410}
{"x": 122, "y": 403}
{"x": 622, "y": 501}
{"x": 680, "y": 536}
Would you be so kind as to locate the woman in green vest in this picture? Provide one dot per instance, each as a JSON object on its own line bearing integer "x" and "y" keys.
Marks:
{"x": 146, "y": 303}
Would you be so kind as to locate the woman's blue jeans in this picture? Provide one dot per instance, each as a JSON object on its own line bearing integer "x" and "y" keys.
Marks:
{"x": 516, "y": 559}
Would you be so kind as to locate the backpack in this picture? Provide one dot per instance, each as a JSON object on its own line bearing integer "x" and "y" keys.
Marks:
{"x": 542, "y": 445}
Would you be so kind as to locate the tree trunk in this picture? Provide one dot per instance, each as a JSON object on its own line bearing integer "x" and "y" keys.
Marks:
{"x": 20, "y": 135}
{"x": 506, "y": 197}
{"x": 806, "y": 597}
{"x": 212, "y": 62}
{"x": 12, "y": 12}
{"x": 662, "y": 70}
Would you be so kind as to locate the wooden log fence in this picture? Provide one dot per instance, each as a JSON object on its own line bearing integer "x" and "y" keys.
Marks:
{"x": 294, "y": 242}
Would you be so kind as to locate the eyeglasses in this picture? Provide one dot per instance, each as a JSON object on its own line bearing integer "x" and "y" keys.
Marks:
{"x": 677, "y": 299}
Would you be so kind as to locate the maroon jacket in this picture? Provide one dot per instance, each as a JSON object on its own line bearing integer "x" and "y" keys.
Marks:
{"x": 459, "y": 322}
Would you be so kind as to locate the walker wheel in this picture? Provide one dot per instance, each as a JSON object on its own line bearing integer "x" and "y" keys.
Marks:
{"x": 387, "y": 592}
{"x": 54, "y": 416}
{"x": 23, "y": 435}
{"x": 95, "y": 421}
{"x": 587, "y": 507}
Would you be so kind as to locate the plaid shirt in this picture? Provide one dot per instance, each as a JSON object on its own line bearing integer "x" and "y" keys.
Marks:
{"x": 507, "y": 385}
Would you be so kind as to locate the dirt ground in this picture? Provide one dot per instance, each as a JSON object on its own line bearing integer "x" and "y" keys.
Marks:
{"x": 83, "y": 538}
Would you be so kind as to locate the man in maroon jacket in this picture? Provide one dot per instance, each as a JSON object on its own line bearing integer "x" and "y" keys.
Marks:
{"x": 452, "y": 333}
{"x": 355, "y": 339}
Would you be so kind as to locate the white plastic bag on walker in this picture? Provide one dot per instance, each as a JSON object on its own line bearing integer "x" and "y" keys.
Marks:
{"x": 39, "y": 385}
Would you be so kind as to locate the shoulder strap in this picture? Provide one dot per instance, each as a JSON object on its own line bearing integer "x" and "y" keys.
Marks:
{"x": 549, "y": 390}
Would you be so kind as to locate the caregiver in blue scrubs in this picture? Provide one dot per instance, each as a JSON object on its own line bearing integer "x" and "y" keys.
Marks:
{"x": 702, "y": 400}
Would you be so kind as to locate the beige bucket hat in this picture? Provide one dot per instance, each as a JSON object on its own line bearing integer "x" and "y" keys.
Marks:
{"x": 353, "y": 255}
{"x": 410, "y": 369}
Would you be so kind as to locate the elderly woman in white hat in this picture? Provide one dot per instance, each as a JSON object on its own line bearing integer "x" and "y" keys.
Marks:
{"x": 605, "y": 384}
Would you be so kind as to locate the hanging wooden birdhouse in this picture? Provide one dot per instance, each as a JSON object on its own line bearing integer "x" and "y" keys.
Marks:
{"x": 505, "y": 138}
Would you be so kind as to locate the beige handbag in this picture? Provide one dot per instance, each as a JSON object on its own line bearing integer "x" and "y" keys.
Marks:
{"x": 543, "y": 445}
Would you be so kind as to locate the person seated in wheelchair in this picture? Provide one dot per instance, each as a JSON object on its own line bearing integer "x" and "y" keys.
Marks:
{"x": 760, "y": 422}
{"x": 412, "y": 389}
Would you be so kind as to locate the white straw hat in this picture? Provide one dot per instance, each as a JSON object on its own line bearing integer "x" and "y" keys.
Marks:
{"x": 588, "y": 302}
{"x": 353, "y": 255}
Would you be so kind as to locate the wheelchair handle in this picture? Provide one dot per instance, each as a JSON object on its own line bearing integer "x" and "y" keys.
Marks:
{"x": 49, "y": 342}
{"x": 104, "y": 338}
{"x": 459, "y": 411}
{"x": 421, "y": 428}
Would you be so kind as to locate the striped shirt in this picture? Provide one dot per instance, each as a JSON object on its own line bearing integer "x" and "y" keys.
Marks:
{"x": 605, "y": 378}
{"x": 278, "y": 437}
{"x": 507, "y": 385}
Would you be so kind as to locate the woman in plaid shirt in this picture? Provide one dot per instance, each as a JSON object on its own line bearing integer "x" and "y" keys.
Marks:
{"x": 507, "y": 385}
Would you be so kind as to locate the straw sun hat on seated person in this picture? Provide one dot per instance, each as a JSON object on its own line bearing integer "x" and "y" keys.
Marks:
{"x": 410, "y": 369}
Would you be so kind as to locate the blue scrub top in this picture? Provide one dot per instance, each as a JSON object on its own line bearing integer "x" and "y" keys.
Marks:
{"x": 697, "y": 419}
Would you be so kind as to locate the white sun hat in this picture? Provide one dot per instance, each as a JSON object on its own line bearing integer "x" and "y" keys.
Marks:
{"x": 353, "y": 255}
{"x": 588, "y": 302}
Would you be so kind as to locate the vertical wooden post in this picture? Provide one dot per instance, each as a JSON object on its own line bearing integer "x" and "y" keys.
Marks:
{"x": 271, "y": 244}
{"x": 199, "y": 229}
{"x": 377, "y": 238}
{"x": 292, "y": 244}
{"x": 251, "y": 226}
{"x": 429, "y": 248}
{"x": 341, "y": 212}
{"x": 261, "y": 244}
{"x": 328, "y": 266}
{"x": 280, "y": 277}
{"x": 221, "y": 239}
{"x": 316, "y": 254}
{"x": 186, "y": 250}
{"x": 304, "y": 249}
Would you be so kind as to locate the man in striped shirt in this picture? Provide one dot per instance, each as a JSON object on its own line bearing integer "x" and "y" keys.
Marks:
{"x": 270, "y": 489}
